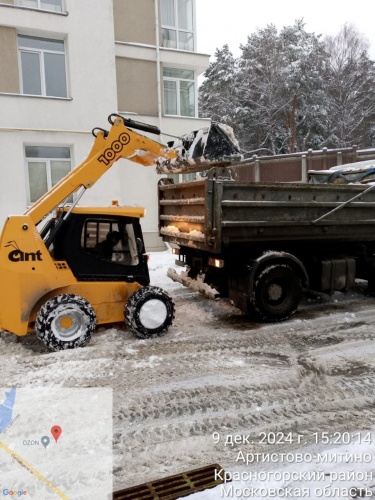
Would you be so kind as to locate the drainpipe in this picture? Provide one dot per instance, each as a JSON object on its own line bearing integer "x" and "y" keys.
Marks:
{"x": 158, "y": 76}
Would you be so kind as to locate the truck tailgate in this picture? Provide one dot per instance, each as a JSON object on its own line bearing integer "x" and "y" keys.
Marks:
{"x": 184, "y": 215}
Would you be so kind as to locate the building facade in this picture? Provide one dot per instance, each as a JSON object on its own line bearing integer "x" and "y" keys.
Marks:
{"x": 65, "y": 66}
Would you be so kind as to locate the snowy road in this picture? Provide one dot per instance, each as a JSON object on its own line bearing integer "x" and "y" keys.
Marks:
{"x": 216, "y": 372}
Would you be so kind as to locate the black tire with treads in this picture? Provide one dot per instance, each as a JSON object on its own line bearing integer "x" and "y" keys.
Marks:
{"x": 149, "y": 312}
{"x": 65, "y": 322}
{"x": 277, "y": 292}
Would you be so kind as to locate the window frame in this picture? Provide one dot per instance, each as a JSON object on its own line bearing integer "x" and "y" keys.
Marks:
{"x": 18, "y": 3}
{"x": 40, "y": 52}
{"x": 177, "y": 29}
{"x": 122, "y": 228}
{"x": 178, "y": 91}
{"x": 47, "y": 161}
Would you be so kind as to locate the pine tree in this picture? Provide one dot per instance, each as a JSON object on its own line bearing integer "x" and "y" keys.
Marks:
{"x": 281, "y": 79}
{"x": 217, "y": 96}
{"x": 290, "y": 90}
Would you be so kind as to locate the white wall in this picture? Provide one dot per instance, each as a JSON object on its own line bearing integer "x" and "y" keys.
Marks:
{"x": 88, "y": 31}
{"x": 89, "y": 34}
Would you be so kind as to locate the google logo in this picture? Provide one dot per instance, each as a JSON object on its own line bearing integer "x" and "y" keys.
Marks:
{"x": 18, "y": 493}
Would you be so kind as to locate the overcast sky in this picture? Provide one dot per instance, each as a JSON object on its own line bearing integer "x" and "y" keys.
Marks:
{"x": 231, "y": 21}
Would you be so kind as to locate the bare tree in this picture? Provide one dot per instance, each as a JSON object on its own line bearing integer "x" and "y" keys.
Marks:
{"x": 346, "y": 48}
{"x": 350, "y": 89}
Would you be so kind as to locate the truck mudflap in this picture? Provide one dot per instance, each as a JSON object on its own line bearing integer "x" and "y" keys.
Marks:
{"x": 201, "y": 149}
{"x": 197, "y": 284}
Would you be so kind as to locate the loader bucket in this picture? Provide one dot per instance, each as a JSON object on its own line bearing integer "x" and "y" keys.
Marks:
{"x": 202, "y": 149}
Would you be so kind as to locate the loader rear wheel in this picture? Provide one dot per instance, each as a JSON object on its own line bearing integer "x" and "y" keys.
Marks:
{"x": 65, "y": 322}
{"x": 277, "y": 292}
{"x": 149, "y": 312}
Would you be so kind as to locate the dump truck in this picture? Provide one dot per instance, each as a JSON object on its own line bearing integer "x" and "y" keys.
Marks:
{"x": 65, "y": 269}
{"x": 262, "y": 245}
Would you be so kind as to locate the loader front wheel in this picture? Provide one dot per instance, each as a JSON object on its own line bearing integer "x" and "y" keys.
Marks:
{"x": 65, "y": 322}
{"x": 149, "y": 312}
{"x": 277, "y": 293}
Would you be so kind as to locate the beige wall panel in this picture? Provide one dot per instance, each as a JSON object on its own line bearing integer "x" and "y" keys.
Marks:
{"x": 9, "y": 2}
{"x": 134, "y": 21}
{"x": 136, "y": 86}
{"x": 9, "y": 79}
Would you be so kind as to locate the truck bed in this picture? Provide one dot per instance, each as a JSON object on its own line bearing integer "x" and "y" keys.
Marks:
{"x": 207, "y": 214}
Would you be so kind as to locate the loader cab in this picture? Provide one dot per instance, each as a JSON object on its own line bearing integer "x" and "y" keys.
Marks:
{"x": 104, "y": 245}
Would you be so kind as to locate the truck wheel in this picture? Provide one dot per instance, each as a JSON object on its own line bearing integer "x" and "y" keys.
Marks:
{"x": 149, "y": 312}
{"x": 65, "y": 322}
{"x": 277, "y": 292}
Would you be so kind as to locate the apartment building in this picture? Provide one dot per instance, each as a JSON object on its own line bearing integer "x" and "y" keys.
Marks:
{"x": 65, "y": 65}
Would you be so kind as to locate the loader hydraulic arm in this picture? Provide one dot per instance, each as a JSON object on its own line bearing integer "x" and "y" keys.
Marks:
{"x": 119, "y": 142}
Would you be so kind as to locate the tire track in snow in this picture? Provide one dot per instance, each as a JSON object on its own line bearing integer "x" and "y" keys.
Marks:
{"x": 319, "y": 387}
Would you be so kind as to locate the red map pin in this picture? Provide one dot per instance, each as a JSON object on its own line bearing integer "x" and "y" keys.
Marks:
{"x": 56, "y": 432}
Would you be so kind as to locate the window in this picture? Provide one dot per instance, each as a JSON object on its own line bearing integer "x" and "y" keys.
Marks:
{"x": 110, "y": 240}
{"x": 42, "y": 63}
{"x": 181, "y": 178}
{"x": 46, "y": 165}
{"x": 179, "y": 92}
{"x": 177, "y": 24}
{"x": 54, "y": 5}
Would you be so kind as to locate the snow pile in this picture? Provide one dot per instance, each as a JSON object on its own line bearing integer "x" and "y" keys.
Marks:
{"x": 171, "y": 230}
{"x": 193, "y": 235}
{"x": 197, "y": 284}
{"x": 228, "y": 131}
{"x": 184, "y": 201}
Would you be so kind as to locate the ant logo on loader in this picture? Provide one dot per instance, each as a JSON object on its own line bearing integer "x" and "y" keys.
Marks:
{"x": 17, "y": 255}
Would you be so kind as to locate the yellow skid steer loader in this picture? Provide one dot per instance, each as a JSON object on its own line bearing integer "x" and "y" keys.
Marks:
{"x": 65, "y": 269}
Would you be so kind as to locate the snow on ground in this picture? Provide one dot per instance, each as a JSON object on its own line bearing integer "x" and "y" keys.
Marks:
{"x": 218, "y": 373}
{"x": 158, "y": 264}
{"x": 324, "y": 473}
